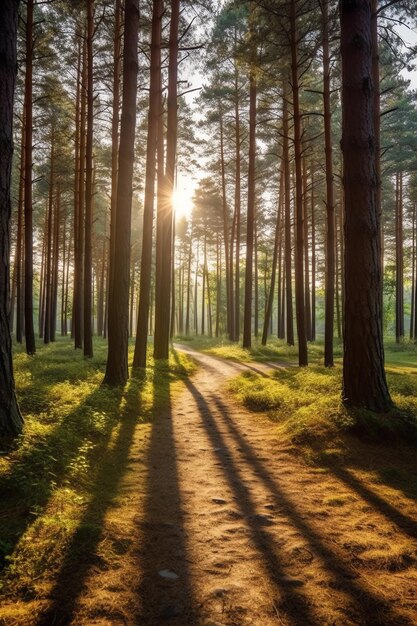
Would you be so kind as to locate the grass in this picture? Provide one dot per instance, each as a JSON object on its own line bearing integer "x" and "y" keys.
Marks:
{"x": 275, "y": 350}
{"x": 306, "y": 403}
{"x": 54, "y": 473}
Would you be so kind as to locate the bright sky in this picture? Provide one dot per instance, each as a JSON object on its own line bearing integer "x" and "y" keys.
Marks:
{"x": 183, "y": 196}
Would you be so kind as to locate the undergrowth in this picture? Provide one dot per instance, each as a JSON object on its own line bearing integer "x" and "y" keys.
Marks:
{"x": 72, "y": 422}
{"x": 275, "y": 350}
{"x": 306, "y": 405}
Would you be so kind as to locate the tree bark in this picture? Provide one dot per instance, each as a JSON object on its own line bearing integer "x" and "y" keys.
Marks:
{"x": 19, "y": 241}
{"x": 270, "y": 300}
{"x": 11, "y": 421}
{"x": 399, "y": 260}
{"x": 287, "y": 188}
{"x": 88, "y": 224}
{"x": 79, "y": 211}
{"x": 48, "y": 247}
{"x": 250, "y": 223}
{"x": 114, "y": 138}
{"x": 330, "y": 237}
{"x": 364, "y": 382}
{"x": 155, "y": 96}
{"x": 118, "y": 322}
{"x": 237, "y": 208}
{"x": 163, "y": 290}
{"x": 299, "y": 241}
{"x": 29, "y": 329}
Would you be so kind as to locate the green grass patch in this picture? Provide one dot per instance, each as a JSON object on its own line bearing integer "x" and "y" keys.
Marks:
{"x": 306, "y": 403}
{"x": 275, "y": 350}
{"x": 73, "y": 425}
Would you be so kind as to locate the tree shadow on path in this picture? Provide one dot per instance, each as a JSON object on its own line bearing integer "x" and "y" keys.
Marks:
{"x": 163, "y": 545}
{"x": 298, "y": 607}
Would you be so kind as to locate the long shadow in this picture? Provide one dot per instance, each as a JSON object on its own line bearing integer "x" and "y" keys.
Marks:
{"x": 81, "y": 553}
{"x": 403, "y": 521}
{"x": 296, "y": 605}
{"x": 382, "y": 612}
{"x": 163, "y": 545}
{"x": 407, "y": 524}
{"x": 27, "y": 488}
{"x": 294, "y": 602}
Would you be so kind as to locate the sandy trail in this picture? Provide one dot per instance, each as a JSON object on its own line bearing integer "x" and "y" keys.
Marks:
{"x": 242, "y": 523}
{"x": 246, "y": 532}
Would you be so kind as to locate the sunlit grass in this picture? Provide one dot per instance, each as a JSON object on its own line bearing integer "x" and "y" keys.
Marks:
{"x": 275, "y": 350}
{"x": 72, "y": 424}
{"x": 306, "y": 403}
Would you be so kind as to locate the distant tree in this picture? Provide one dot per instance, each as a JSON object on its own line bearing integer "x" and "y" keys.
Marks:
{"x": 11, "y": 421}
{"x": 364, "y": 382}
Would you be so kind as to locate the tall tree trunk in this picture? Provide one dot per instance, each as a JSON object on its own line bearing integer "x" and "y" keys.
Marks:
{"x": 196, "y": 288}
{"x": 299, "y": 242}
{"x": 187, "y": 307}
{"x": 306, "y": 254}
{"x": 29, "y": 329}
{"x": 100, "y": 299}
{"x": 377, "y": 127}
{"x": 225, "y": 213}
{"x": 203, "y": 288}
{"x": 163, "y": 291}
{"x": 79, "y": 213}
{"x": 330, "y": 223}
{"x": 67, "y": 286}
{"x": 88, "y": 261}
{"x": 118, "y": 326}
{"x": 281, "y": 271}
{"x": 218, "y": 286}
{"x": 256, "y": 281}
{"x": 209, "y": 312}
{"x": 48, "y": 248}
{"x": 287, "y": 186}
{"x": 173, "y": 304}
{"x": 132, "y": 297}
{"x": 313, "y": 261}
{"x": 19, "y": 239}
{"x": 55, "y": 262}
{"x": 11, "y": 421}
{"x": 114, "y": 138}
{"x": 270, "y": 300}
{"x": 64, "y": 255}
{"x": 42, "y": 281}
{"x": 364, "y": 382}
{"x": 237, "y": 207}
{"x": 399, "y": 260}
{"x": 250, "y": 223}
{"x": 338, "y": 258}
{"x": 155, "y": 96}
{"x": 413, "y": 269}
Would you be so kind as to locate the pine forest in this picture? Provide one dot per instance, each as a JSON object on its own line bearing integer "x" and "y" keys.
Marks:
{"x": 208, "y": 312}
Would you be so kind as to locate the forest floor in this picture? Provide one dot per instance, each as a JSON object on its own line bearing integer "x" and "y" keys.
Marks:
{"x": 202, "y": 515}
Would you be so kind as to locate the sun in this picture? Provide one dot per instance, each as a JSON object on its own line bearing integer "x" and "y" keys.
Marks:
{"x": 183, "y": 196}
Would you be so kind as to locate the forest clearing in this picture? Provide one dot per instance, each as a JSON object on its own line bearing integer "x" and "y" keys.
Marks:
{"x": 208, "y": 312}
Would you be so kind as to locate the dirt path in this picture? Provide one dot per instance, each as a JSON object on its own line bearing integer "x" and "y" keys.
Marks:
{"x": 243, "y": 531}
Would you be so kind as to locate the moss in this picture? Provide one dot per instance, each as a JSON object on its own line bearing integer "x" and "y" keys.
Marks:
{"x": 306, "y": 404}
{"x": 72, "y": 423}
